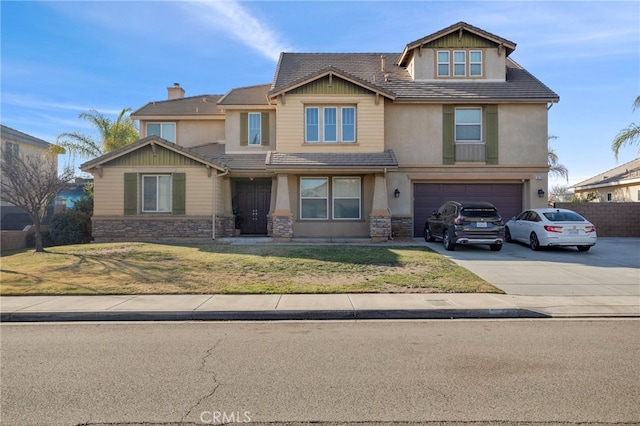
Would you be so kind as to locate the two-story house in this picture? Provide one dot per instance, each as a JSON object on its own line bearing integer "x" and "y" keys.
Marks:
{"x": 338, "y": 145}
{"x": 17, "y": 143}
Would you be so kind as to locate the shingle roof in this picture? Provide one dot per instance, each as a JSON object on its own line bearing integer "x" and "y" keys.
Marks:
{"x": 215, "y": 153}
{"x": 615, "y": 176}
{"x": 15, "y": 135}
{"x": 295, "y": 68}
{"x": 332, "y": 160}
{"x": 194, "y": 105}
{"x": 251, "y": 95}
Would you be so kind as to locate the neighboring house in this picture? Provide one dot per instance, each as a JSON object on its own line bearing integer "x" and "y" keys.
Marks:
{"x": 338, "y": 145}
{"x": 17, "y": 143}
{"x": 621, "y": 184}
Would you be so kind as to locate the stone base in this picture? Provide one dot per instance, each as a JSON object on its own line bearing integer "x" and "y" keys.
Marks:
{"x": 282, "y": 227}
{"x": 379, "y": 227}
{"x": 402, "y": 226}
{"x": 150, "y": 228}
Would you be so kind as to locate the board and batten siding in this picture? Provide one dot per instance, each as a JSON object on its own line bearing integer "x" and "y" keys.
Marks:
{"x": 109, "y": 189}
{"x": 369, "y": 123}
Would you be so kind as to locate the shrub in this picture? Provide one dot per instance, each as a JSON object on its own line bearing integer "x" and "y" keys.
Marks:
{"x": 46, "y": 238}
{"x": 70, "y": 227}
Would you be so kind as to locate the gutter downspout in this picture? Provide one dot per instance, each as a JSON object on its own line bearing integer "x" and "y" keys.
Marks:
{"x": 214, "y": 214}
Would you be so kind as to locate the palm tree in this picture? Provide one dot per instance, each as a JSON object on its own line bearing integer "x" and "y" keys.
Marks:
{"x": 113, "y": 135}
{"x": 554, "y": 167}
{"x": 628, "y": 136}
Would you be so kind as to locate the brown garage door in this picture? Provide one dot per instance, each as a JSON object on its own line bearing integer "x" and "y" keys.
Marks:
{"x": 430, "y": 196}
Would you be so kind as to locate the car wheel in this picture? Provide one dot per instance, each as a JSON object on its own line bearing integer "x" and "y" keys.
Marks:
{"x": 428, "y": 237}
{"x": 495, "y": 247}
{"x": 584, "y": 248}
{"x": 446, "y": 240}
{"x": 533, "y": 242}
{"x": 507, "y": 235}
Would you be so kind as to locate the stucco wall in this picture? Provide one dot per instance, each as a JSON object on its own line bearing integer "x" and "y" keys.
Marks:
{"x": 625, "y": 194}
{"x": 522, "y": 134}
{"x": 197, "y": 132}
{"x": 610, "y": 219}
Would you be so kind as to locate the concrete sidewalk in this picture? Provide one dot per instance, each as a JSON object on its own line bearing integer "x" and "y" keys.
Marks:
{"x": 310, "y": 307}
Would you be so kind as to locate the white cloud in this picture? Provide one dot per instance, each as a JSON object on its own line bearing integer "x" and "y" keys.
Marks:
{"x": 239, "y": 23}
{"x": 39, "y": 104}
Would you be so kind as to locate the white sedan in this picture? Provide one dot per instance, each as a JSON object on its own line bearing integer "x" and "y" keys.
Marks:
{"x": 551, "y": 227}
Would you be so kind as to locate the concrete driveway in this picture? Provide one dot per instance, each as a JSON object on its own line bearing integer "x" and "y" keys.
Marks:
{"x": 610, "y": 268}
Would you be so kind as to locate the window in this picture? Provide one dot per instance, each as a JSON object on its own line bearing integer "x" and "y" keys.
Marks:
{"x": 12, "y": 150}
{"x": 330, "y": 124}
{"x": 164, "y": 130}
{"x": 156, "y": 193}
{"x": 459, "y": 63}
{"x": 468, "y": 124}
{"x": 609, "y": 196}
{"x": 346, "y": 198}
{"x": 314, "y": 198}
{"x": 475, "y": 63}
{"x": 443, "y": 63}
{"x": 255, "y": 128}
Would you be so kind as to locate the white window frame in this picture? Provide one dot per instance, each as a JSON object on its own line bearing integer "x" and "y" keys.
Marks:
{"x": 447, "y": 63}
{"x": 326, "y": 197}
{"x": 471, "y": 63}
{"x": 322, "y": 125}
{"x": 255, "y": 132}
{"x": 158, "y": 208}
{"x": 463, "y": 63}
{"x": 163, "y": 130}
{"x": 456, "y": 124}
{"x": 334, "y": 197}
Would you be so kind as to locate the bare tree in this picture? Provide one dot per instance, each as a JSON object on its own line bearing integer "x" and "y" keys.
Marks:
{"x": 32, "y": 182}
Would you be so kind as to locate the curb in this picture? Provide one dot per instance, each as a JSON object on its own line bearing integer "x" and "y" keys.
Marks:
{"x": 291, "y": 315}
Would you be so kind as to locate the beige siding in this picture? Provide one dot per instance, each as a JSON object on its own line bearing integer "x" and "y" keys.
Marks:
{"x": 232, "y": 130}
{"x": 369, "y": 124}
{"x": 109, "y": 189}
{"x": 522, "y": 134}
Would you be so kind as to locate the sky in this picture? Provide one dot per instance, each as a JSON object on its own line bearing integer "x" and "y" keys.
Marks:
{"x": 62, "y": 58}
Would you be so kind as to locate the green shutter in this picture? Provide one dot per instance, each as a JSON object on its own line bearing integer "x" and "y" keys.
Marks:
{"x": 265, "y": 129}
{"x": 179, "y": 193}
{"x": 130, "y": 193}
{"x": 244, "y": 129}
{"x": 491, "y": 120}
{"x": 448, "y": 135}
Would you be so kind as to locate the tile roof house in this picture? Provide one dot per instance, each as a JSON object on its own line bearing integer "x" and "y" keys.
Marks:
{"x": 338, "y": 145}
{"x": 620, "y": 184}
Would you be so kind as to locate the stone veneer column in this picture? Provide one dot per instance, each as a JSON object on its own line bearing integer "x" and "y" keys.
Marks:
{"x": 282, "y": 218}
{"x": 380, "y": 218}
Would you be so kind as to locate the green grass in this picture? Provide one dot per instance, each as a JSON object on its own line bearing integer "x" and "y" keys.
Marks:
{"x": 146, "y": 268}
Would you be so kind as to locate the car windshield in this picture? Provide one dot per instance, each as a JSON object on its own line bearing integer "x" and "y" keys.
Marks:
{"x": 563, "y": 217}
{"x": 479, "y": 212}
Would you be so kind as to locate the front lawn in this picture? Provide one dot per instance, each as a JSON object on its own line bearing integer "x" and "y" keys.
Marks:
{"x": 146, "y": 268}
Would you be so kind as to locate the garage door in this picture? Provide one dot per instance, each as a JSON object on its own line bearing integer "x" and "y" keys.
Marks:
{"x": 430, "y": 196}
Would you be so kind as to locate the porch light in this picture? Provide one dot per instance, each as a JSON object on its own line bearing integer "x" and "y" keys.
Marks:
{"x": 396, "y": 193}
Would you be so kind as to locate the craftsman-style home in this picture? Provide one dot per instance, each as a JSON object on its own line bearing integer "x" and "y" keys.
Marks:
{"x": 337, "y": 145}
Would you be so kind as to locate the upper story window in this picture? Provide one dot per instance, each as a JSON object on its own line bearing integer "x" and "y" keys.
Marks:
{"x": 468, "y": 124}
{"x": 255, "y": 128}
{"x": 330, "y": 124}
{"x": 164, "y": 130}
{"x": 465, "y": 63}
{"x": 11, "y": 150}
{"x": 156, "y": 193}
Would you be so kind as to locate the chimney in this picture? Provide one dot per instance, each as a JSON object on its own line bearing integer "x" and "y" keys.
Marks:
{"x": 382, "y": 63}
{"x": 175, "y": 92}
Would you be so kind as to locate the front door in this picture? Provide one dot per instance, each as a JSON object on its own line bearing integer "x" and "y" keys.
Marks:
{"x": 253, "y": 198}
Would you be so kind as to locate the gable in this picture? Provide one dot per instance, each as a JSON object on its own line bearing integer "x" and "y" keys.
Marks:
{"x": 330, "y": 85}
{"x": 152, "y": 155}
{"x": 460, "y": 39}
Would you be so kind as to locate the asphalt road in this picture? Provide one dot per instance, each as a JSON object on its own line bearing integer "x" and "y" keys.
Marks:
{"x": 356, "y": 371}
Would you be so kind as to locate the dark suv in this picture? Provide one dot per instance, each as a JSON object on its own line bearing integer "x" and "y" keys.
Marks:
{"x": 473, "y": 222}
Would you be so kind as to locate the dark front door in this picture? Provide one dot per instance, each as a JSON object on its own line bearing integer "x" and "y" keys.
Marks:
{"x": 253, "y": 199}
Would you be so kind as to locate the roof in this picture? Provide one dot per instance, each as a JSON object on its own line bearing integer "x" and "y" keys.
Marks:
{"x": 332, "y": 160}
{"x": 365, "y": 69}
{"x": 460, "y": 26}
{"x": 150, "y": 140}
{"x": 194, "y": 105}
{"x": 250, "y": 95}
{"x": 17, "y": 136}
{"x": 624, "y": 174}
{"x": 215, "y": 153}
